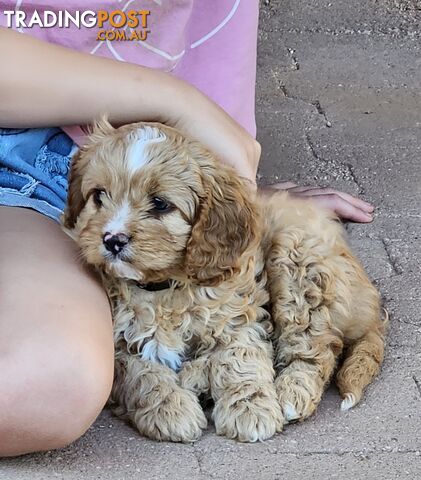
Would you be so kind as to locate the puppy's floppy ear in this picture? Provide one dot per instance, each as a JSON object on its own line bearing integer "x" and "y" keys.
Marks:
{"x": 75, "y": 201}
{"x": 226, "y": 226}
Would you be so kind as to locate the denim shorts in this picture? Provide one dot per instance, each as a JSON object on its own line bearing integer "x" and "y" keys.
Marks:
{"x": 34, "y": 165}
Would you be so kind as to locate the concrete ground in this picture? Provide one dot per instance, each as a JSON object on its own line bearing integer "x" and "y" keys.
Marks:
{"x": 339, "y": 104}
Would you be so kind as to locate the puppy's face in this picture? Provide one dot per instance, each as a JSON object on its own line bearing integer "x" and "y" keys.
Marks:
{"x": 147, "y": 204}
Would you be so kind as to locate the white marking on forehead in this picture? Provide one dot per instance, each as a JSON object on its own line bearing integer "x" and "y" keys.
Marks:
{"x": 119, "y": 222}
{"x": 140, "y": 141}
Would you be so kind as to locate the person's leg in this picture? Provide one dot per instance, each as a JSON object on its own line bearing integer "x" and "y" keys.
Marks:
{"x": 56, "y": 348}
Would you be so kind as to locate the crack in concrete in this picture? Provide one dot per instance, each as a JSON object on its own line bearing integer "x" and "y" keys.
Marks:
{"x": 396, "y": 268}
{"x": 383, "y": 279}
{"x": 355, "y": 453}
{"x": 322, "y": 111}
{"x": 199, "y": 458}
{"x": 315, "y": 104}
{"x": 313, "y": 150}
{"x": 417, "y": 384}
{"x": 361, "y": 190}
{"x": 398, "y": 215}
{"x": 284, "y": 90}
{"x": 333, "y": 167}
{"x": 295, "y": 63}
{"x": 396, "y": 33}
{"x": 407, "y": 322}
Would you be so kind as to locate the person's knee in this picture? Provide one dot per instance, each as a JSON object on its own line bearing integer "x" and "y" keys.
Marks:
{"x": 56, "y": 343}
{"x": 50, "y": 398}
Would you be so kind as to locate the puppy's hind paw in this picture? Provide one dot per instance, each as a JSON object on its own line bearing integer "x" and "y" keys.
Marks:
{"x": 297, "y": 401}
{"x": 290, "y": 413}
{"x": 250, "y": 419}
{"x": 348, "y": 402}
{"x": 177, "y": 418}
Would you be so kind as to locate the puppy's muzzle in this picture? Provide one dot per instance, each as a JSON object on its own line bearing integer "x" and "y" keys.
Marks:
{"x": 115, "y": 243}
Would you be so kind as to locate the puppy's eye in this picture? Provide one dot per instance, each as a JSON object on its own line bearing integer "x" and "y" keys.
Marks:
{"x": 160, "y": 205}
{"x": 97, "y": 194}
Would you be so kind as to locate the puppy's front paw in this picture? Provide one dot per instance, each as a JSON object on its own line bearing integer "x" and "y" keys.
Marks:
{"x": 251, "y": 418}
{"x": 298, "y": 399}
{"x": 195, "y": 376}
{"x": 177, "y": 418}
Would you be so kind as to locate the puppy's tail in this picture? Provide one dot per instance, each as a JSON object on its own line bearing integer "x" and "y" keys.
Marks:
{"x": 362, "y": 362}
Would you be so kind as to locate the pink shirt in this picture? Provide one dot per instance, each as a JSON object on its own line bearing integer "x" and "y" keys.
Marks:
{"x": 209, "y": 43}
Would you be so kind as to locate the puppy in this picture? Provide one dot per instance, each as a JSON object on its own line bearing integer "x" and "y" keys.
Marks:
{"x": 216, "y": 292}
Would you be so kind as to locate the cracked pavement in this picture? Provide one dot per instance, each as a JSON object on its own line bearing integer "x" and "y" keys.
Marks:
{"x": 339, "y": 104}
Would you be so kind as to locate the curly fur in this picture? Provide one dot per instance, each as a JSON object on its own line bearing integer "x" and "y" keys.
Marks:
{"x": 264, "y": 298}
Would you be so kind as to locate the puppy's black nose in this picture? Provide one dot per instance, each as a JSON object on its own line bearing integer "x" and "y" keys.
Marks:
{"x": 115, "y": 243}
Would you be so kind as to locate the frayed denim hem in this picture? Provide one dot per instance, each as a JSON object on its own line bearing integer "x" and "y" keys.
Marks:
{"x": 34, "y": 165}
{"x": 11, "y": 199}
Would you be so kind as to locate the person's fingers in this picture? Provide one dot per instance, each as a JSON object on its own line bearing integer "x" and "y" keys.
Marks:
{"x": 298, "y": 189}
{"x": 282, "y": 185}
{"x": 357, "y": 202}
{"x": 343, "y": 204}
{"x": 311, "y": 190}
{"x": 342, "y": 207}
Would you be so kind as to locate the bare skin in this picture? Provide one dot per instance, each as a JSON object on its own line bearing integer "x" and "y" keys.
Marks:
{"x": 343, "y": 204}
{"x": 56, "y": 346}
{"x": 84, "y": 87}
{"x": 56, "y": 355}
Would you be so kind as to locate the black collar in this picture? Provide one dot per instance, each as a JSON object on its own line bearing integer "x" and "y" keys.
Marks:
{"x": 155, "y": 287}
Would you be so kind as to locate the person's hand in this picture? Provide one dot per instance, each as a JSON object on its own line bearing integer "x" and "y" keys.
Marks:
{"x": 122, "y": 91}
{"x": 344, "y": 205}
{"x": 197, "y": 116}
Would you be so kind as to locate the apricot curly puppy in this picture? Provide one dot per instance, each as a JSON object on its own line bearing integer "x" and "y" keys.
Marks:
{"x": 189, "y": 258}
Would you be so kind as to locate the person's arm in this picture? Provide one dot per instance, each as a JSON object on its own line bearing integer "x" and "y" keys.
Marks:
{"x": 47, "y": 85}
